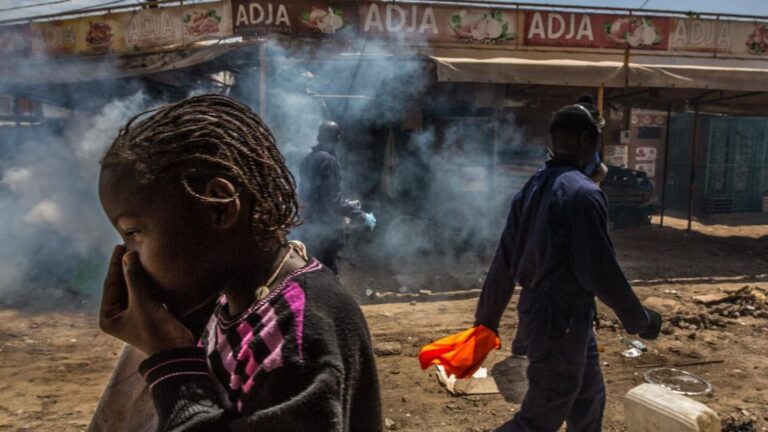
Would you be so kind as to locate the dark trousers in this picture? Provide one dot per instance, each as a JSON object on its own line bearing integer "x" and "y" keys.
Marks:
{"x": 565, "y": 383}
{"x": 323, "y": 241}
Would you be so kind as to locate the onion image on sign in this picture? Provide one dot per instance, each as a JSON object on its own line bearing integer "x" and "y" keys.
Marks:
{"x": 481, "y": 26}
{"x": 757, "y": 41}
{"x": 635, "y": 32}
{"x": 327, "y": 21}
{"x": 201, "y": 22}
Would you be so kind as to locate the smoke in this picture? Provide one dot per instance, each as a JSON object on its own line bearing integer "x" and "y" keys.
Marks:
{"x": 364, "y": 85}
{"x": 55, "y": 236}
{"x": 439, "y": 184}
{"x": 453, "y": 182}
{"x": 453, "y": 185}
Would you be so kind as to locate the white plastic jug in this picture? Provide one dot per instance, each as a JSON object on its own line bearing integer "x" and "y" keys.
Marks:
{"x": 652, "y": 408}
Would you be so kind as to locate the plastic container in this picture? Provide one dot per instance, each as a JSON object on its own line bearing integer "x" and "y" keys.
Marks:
{"x": 652, "y": 408}
{"x": 765, "y": 203}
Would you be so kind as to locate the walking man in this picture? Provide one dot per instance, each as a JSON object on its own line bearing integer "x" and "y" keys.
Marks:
{"x": 556, "y": 246}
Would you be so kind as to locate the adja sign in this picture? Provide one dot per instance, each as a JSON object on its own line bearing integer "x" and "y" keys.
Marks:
{"x": 393, "y": 18}
{"x": 253, "y": 17}
{"x": 261, "y": 16}
{"x": 424, "y": 23}
{"x": 412, "y": 23}
{"x": 596, "y": 30}
{"x": 416, "y": 23}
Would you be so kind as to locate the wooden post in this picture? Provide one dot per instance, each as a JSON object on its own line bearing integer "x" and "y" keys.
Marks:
{"x": 693, "y": 165}
{"x": 600, "y": 99}
{"x": 665, "y": 170}
{"x": 494, "y": 167}
{"x": 263, "y": 79}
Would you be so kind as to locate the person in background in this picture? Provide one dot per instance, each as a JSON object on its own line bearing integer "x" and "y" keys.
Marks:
{"x": 556, "y": 246}
{"x": 203, "y": 201}
{"x": 320, "y": 195}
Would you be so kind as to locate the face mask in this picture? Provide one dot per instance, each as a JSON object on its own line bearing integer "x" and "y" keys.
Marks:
{"x": 596, "y": 169}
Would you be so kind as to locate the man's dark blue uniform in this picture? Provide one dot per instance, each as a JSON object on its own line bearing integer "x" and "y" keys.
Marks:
{"x": 323, "y": 206}
{"x": 556, "y": 246}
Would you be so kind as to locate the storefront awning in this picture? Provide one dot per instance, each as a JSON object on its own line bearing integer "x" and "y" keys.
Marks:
{"x": 641, "y": 71}
{"x": 698, "y": 73}
{"x": 514, "y": 70}
{"x": 49, "y": 71}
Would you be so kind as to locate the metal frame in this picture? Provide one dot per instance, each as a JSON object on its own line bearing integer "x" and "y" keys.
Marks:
{"x": 694, "y": 149}
{"x": 473, "y": 4}
{"x": 546, "y": 6}
{"x": 666, "y": 164}
{"x": 726, "y": 98}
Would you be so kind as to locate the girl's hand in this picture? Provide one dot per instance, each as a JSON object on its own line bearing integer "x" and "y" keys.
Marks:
{"x": 130, "y": 313}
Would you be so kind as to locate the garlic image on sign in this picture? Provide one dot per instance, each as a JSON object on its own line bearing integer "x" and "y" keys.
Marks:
{"x": 331, "y": 22}
{"x": 633, "y": 31}
{"x": 643, "y": 35}
{"x": 487, "y": 29}
{"x": 327, "y": 21}
{"x": 480, "y": 26}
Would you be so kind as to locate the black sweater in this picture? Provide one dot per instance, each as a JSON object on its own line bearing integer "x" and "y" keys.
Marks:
{"x": 298, "y": 360}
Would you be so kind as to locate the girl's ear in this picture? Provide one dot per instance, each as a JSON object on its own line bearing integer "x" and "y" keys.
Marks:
{"x": 224, "y": 201}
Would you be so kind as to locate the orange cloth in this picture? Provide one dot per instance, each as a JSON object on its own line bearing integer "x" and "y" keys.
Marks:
{"x": 460, "y": 354}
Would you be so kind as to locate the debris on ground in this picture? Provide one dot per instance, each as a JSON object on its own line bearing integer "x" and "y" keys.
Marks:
{"x": 726, "y": 295}
{"x": 667, "y": 329}
{"x": 700, "y": 321}
{"x": 632, "y": 353}
{"x": 479, "y": 384}
{"x": 721, "y": 309}
{"x": 635, "y": 343}
{"x": 733, "y": 424}
{"x": 387, "y": 348}
{"x": 744, "y": 302}
{"x": 664, "y": 306}
{"x": 390, "y": 424}
{"x": 405, "y": 295}
{"x": 608, "y": 322}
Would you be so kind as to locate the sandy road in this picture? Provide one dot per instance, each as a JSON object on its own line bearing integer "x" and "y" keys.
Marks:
{"x": 53, "y": 364}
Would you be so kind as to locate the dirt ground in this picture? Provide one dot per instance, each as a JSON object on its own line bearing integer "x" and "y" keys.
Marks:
{"x": 53, "y": 365}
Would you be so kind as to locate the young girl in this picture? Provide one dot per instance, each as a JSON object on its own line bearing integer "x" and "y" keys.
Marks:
{"x": 203, "y": 200}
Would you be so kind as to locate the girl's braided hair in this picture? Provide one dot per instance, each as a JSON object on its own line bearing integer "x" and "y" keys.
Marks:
{"x": 207, "y": 136}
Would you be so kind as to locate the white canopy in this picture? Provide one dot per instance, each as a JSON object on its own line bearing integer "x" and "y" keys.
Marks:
{"x": 591, "y": 70}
